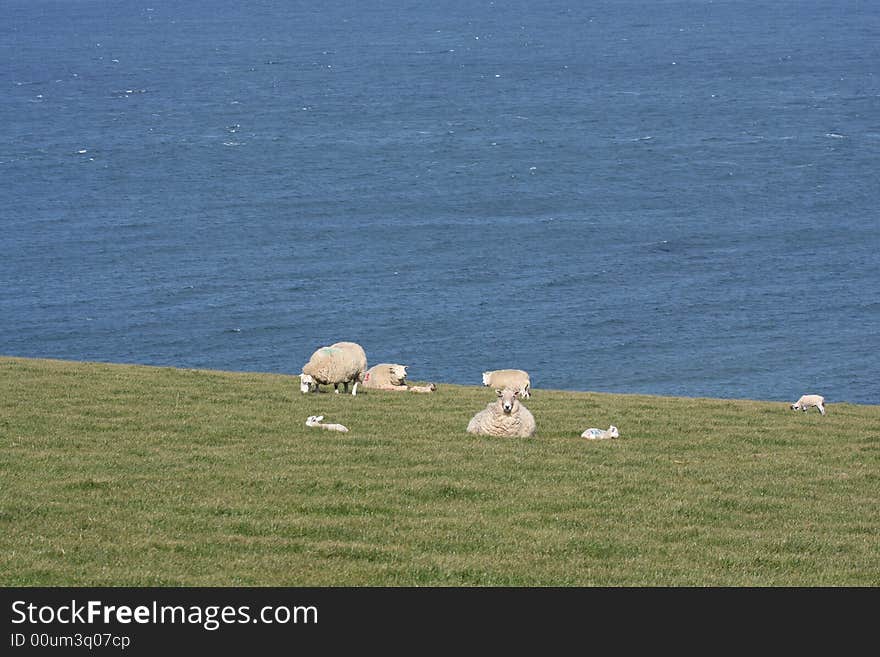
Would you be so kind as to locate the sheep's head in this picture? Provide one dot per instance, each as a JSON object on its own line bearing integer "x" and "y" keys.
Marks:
{"x": 794, "y": 406}
{"x": 313, "y": 420}
{"x": 508, "y": 400}
{"x": 613, "y": 432}
{"x": 305, "y": 382}
{"x": 398, "y": 374}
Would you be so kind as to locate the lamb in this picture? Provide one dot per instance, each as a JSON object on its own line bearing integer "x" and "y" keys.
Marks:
{"x": 386, "y": 376}
{"x": 428, "y": 388}
{"x": 806, "y": 401}
{"x": 601, "y": 434}
{"x": 315, "y": 421}
{"x": 504, "y": 417}
{"x": 515, "y": 379}
{"x": 341, "y": 362}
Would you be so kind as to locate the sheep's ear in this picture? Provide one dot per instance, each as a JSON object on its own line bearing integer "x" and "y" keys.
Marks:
{"x": 318, "y": 418}
{"x": 498, "y": 392}
{"x": 516, "y": 393}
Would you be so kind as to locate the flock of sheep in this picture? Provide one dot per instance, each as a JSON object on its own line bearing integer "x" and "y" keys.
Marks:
{"x": 345, "y": 363}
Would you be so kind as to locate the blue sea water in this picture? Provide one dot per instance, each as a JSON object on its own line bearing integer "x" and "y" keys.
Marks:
{"x": 675, "y": 197}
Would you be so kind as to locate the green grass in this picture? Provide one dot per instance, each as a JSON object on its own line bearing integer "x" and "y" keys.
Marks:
{"x": 141, "y": 476}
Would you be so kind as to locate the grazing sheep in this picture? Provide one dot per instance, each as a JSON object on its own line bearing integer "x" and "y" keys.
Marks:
{"x": 806, "y": 401}
{"x": 386, "y": 376}
{"x": 515, "y": 379}
{"x": 315, "y": 421}
{"x": 504, "y": 417}
{"x": 428, "y": 388}
{"x": 341, "y": 362}
{"x": 601, "y": 434}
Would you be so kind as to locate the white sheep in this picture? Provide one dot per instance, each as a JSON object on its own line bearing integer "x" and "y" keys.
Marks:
{"x": 806, "y": 401}
{"x": 341, "y": 362}
{"x": 427, "y": 388}
{"x": 315, "y": 421}
{"x": 515, "y": 379}
{"x": 386, "y": 376}
{"x": 601, "y": 434}
{"x": 504, "y": 417}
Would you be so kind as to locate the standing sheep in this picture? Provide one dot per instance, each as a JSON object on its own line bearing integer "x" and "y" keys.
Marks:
{"x": 504, "y": 417}
{"x": 806, "y": 401}
{"x": 601, "y": 434}
{"x": 515, "y": 379}
{"x": 341, "y": 362}
{"x": 386, "y": 376}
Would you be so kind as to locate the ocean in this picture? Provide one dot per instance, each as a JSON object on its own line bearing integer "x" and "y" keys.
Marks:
{"x": 677, "y": 197}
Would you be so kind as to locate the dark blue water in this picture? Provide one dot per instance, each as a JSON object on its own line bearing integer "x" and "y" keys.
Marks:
{"x": 670, "y": 197}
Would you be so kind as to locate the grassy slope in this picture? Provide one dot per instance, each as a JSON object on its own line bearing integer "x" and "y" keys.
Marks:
{"x": 124, "y": 475}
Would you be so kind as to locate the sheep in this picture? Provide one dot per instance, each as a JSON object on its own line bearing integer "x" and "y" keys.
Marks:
{"x": 341, "y": 362}
{"x": 392, "y": 377}
{"x": 315, "y": 421}
{"x": 806, "y": 401}
{"x": 504, "y": 417}
{"x": 601, "y": 434}
{"x": 386, "y": 376}
{"x": 516, "y": 379}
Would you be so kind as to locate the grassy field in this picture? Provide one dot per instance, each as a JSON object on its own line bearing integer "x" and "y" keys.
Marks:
{"x": 126, "y": 475}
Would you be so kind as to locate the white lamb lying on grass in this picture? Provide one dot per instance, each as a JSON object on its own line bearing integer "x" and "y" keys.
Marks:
{"x": 806, "y": 401}
{"x": 601, "y": 434}
{"x": 504, "y": 417}
{"x": 431, "y": 387}
{"x": 315, "y": 421}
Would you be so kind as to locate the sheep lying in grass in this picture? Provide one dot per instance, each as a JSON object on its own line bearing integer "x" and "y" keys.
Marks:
{"x": 428, "y": 388}
{"x": 504, "y": 417}
{"x": 315, "y": 421}
{"x": 806, "y": 401}
{"x": 514, "y": 379}
{"x": 340, "y": 363}
{"x": 386, "y": 376}
{"x": 392, "y": 377}
{"x": 601, "y": 434}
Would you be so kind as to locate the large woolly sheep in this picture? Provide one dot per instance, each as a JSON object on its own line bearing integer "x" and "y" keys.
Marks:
{"x": 386, "y": 376}
{"x": 514, "y": 379}
{"x": 504, "y": 417}
{"x": 601, "y": 434}
{"x": 340, "y": 363}
{"x": 807, "y": 401}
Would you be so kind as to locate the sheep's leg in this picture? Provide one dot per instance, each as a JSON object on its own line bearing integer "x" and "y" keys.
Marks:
{"x": 336, "y": 388}
{"x": 821, "y": 409}
{"x": 354, "y": 389}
